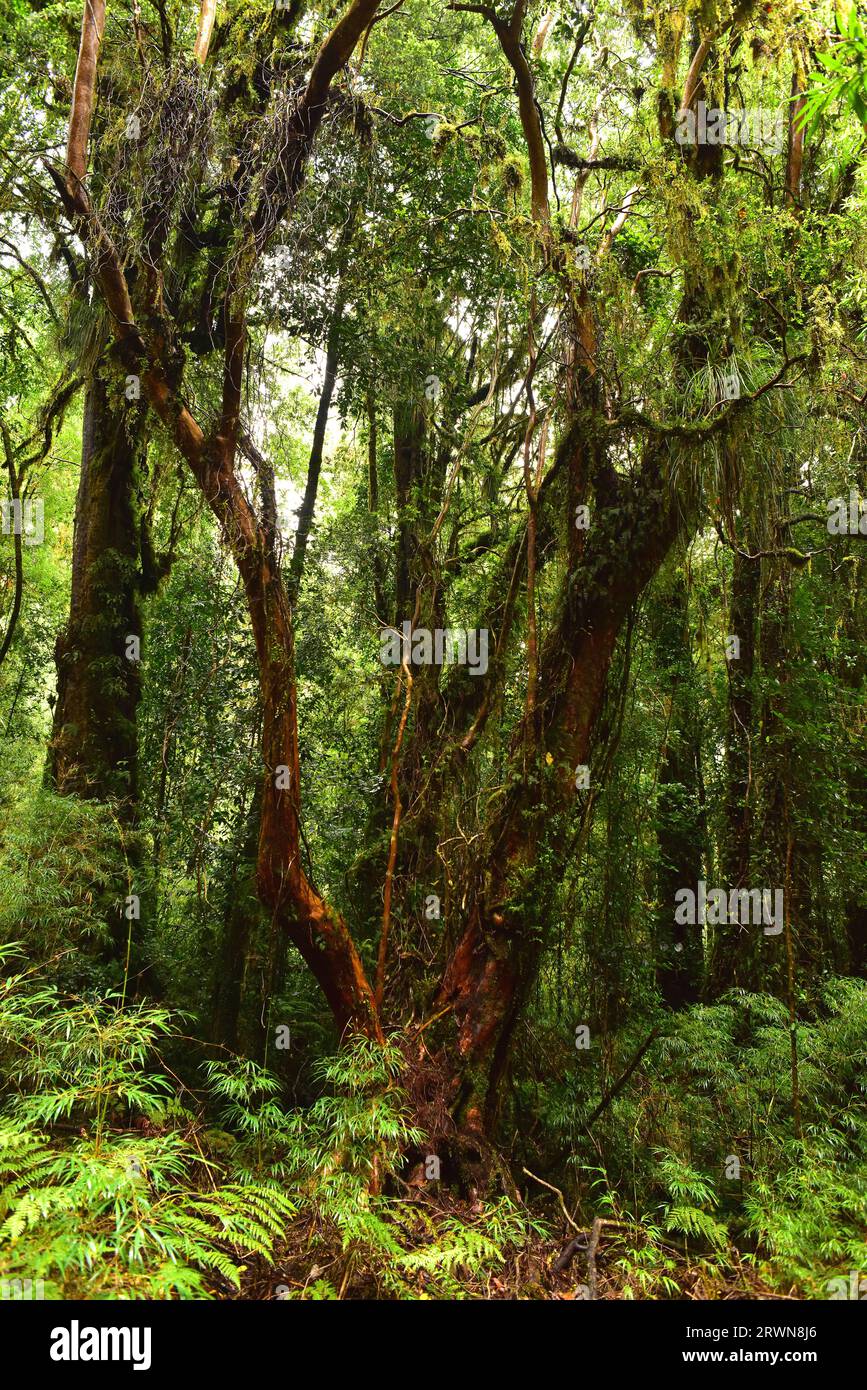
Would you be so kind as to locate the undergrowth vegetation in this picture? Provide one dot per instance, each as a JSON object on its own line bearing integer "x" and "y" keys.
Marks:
{"x": 117, "y": 1180}
{"x": 710, "y": 1161}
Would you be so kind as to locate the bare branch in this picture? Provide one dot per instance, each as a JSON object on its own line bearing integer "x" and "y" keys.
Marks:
{"x": 207, "y": 15}
{"x": 84, "y": 89}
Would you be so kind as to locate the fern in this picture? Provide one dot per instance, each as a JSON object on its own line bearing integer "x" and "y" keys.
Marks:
{"x": 110, "y": 1213}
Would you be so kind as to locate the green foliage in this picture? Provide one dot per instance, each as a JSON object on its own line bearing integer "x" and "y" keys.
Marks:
{"x": 64, "y": 875}
{"x": 101, "y": 1194}
{"x": 341, "y": 1155}
{"x": 719, "y": 1087}
{"x": 843, "y": 79}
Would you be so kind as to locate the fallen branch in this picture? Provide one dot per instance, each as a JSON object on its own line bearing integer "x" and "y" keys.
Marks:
{"x": 552, "y": 1188}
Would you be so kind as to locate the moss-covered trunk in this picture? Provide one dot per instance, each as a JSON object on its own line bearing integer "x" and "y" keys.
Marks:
{"x": 93, "y": 751}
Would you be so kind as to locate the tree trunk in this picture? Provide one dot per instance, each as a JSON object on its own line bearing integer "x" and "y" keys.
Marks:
{"x": 680, "y": 838}
{"x": 93, "y": 750}
{"x": 495, "y": 961}
{"x": 733, "y": 950}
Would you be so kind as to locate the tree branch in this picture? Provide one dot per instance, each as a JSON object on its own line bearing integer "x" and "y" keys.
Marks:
{"x": 207, "y": 15}
{"x": 84, "y": 89}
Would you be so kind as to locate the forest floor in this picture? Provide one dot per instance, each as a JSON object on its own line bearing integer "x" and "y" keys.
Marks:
{"x": 533, "y": 1273}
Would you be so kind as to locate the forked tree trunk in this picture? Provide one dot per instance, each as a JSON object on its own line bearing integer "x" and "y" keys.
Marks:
{"x": 320, "y": 934}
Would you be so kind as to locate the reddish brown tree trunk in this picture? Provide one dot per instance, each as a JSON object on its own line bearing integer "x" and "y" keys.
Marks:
{"x": 319, "y": 933}
{"x": 495, "y": 960}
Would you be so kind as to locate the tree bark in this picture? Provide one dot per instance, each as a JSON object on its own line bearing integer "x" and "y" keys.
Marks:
{"x": 679, "y": 949}
{"x": 732, "y": 950}
{"x": 93, "y": 750}
{"x": 496, "y": 958}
